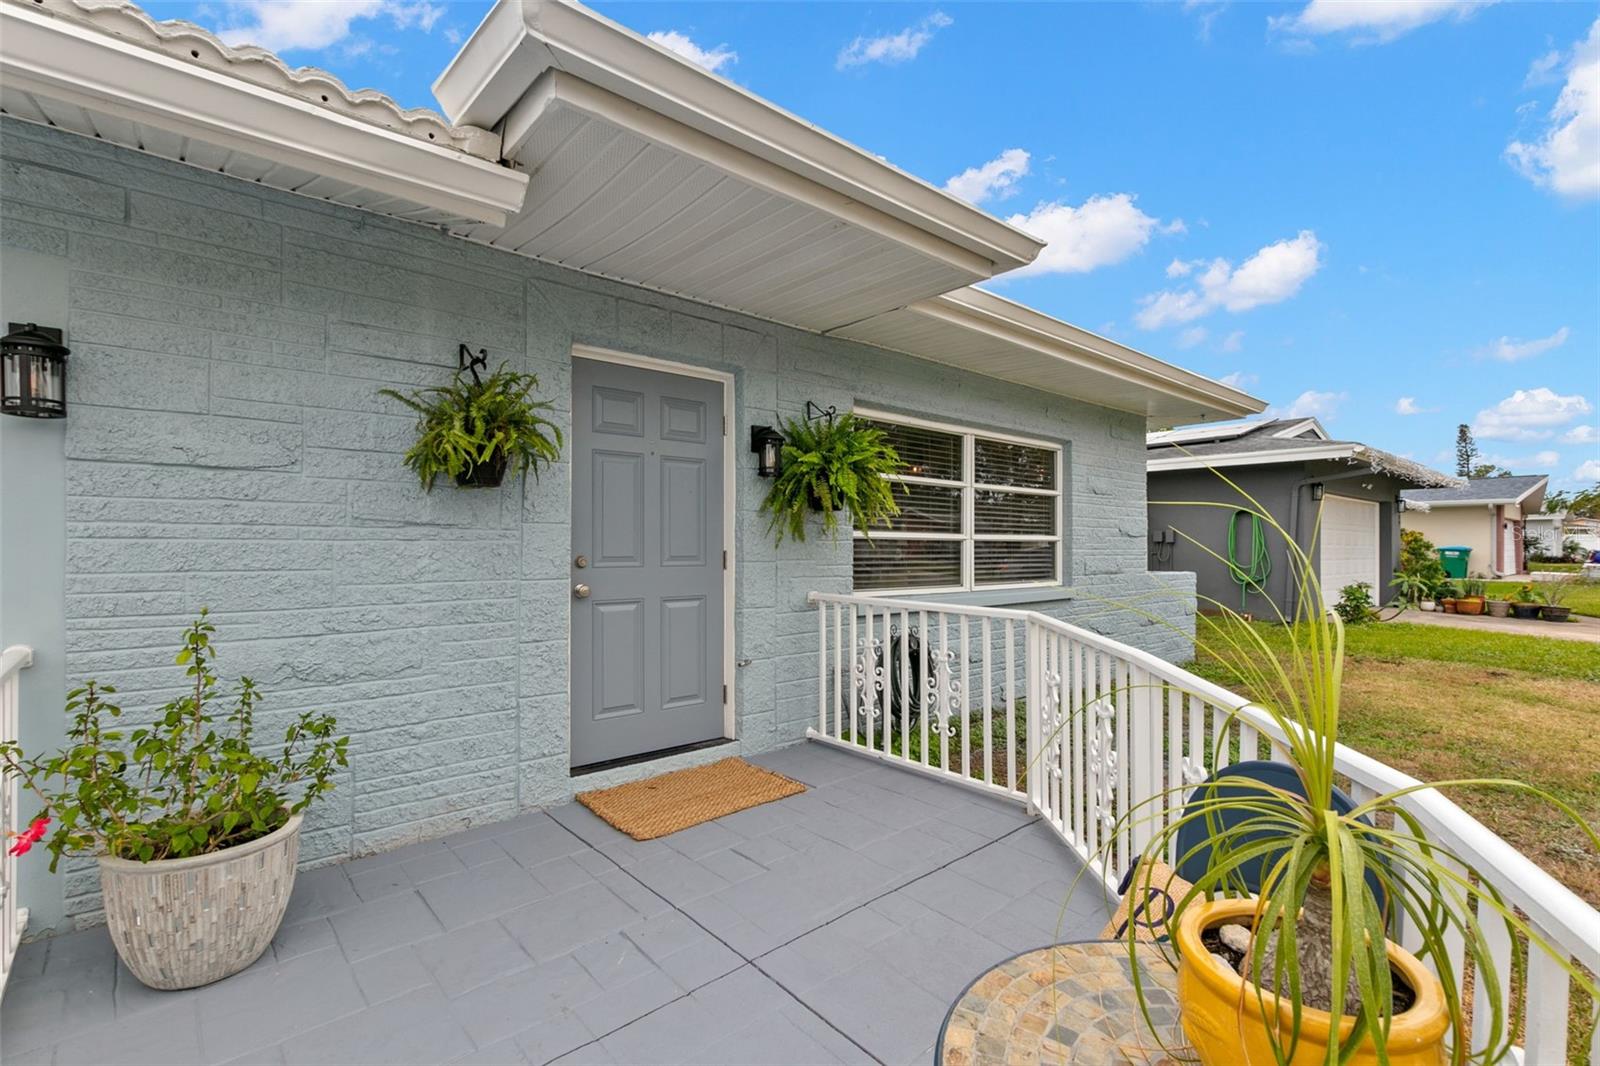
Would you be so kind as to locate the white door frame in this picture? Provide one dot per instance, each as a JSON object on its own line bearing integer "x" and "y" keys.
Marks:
{"x": 730, "y": 717}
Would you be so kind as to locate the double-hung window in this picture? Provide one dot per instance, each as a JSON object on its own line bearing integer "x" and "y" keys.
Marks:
{"x": 978, "y": 510}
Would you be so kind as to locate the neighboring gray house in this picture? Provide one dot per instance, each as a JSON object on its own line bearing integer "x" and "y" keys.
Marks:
{"x": 241, "y": 255}
{"x": 1293, "y": 472}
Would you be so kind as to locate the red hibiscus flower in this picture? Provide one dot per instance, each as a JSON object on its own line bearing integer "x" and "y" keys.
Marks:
{"x": 30, "y": 836}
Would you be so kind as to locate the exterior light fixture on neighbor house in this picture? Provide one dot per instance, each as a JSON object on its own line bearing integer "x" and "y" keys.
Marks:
{"x": 766, "y": 442}
{"x": 33, "y": 372}
{"x": 1316, "y": 490}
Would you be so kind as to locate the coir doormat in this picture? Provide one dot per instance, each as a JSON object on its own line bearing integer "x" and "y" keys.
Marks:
{"x": 665, "y": 804}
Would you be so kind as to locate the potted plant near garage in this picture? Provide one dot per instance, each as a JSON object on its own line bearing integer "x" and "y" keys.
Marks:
{"x": 195, "y": 823}
{"x": 1554, "y": 594}
{"x": 835, "y": 463}
{"x": 1525, "y": 603}
{"x": 1471, "y": 599}
{"x": 476, "y": 429}
{"x": 1447, "y": 597}
{"x": 1308, "y": 975}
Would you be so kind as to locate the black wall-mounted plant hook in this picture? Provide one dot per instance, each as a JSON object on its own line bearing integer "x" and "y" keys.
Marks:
{"x": 472, "y": 362}
{"x": 815, "y": 412}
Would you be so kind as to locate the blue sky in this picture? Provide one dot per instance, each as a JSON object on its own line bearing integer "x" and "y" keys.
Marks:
{"x": 1385, "y": 214}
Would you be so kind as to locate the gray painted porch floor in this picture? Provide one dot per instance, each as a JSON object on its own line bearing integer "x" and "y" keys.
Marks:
{"x": 833, "y": 926}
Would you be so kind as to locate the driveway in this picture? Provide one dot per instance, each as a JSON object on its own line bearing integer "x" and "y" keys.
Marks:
{"x": 1579, "y": 628}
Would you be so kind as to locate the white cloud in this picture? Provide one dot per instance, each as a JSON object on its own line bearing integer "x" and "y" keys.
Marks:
{"x": 1546, "y": 458}
{"x": 1510, "y": 349}
{"x": 1588, "y": 470}
{"x": 1372, "y": 21}
{"x": 1581, "y": 435}
{"x": 997, "y": 177}
{"x": 1191, "y": 336}
{"x": 1181, "y": 268}
{"x": 1272, "y": 275}
{"x": 1311, "y": 404}
{"x": 1567, "y": 157}
{"x": 1100, "y": 231}
{"x": 1407, "y": 405}
{"x": 420, "y": 14}
{"x": 313, "y": 25}
{"x": 713, "y": 59}
{"x": 1232, "y": 342}
{"x": 1528, "y": 414}
{"x": 892, "y": 47}
{"x": 1238, "y": 379}
{"x": 1542, "y": 70}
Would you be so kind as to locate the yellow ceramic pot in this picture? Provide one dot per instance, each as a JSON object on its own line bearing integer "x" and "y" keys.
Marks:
{"x": 1228, "y": 1025}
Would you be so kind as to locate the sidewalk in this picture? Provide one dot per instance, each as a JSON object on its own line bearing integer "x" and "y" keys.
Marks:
{"x": 1580, "y": 628}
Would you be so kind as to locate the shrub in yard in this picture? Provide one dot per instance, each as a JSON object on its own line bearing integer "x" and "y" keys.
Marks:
{"x": 190, "y": 784}
{"x": 1355, "y": 604}
{"x": 1420, "y": 565}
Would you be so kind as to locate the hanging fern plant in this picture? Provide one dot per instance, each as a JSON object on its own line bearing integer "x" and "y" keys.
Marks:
{"x": 475, "y": 430}
{"x": 828, "y": 466}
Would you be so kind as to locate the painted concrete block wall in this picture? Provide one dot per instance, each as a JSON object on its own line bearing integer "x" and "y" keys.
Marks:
{"x": 226, "y": 446}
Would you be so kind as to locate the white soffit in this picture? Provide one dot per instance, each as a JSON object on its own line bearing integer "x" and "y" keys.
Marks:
{"x": 107, "y": 70}
{"x": 652, "y": 170}
{"x": 996, "y": 337}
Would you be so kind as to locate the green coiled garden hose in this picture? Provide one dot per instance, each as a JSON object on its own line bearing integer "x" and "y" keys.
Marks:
{"x": 1254, "y": 574}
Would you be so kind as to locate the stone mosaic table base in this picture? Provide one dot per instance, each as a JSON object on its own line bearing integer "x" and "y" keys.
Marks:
{"x": 1068, "y": 1004}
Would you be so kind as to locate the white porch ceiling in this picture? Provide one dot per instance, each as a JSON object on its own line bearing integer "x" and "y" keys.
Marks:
{"x": 625, "y": 194}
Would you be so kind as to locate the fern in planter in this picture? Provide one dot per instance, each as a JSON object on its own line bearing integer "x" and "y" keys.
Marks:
{"x": 830, "y": 466}
{"x": 474, "y": 430}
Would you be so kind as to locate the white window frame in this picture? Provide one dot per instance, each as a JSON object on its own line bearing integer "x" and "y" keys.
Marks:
{"x": 969, "y": 536}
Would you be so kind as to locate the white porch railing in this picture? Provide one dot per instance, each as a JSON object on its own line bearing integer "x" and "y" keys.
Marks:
{"x": 13, "y": 918}
{"x": 951, "y": 690}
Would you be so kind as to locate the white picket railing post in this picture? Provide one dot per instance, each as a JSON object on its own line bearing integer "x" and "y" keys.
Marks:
{"x": 13, "y": 916}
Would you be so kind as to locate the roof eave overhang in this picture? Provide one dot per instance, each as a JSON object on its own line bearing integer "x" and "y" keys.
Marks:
{"x": 1203, "y": 462}
{"x": 76, "y": 64}
{"x": 519, "y": 40}
{"x": 1006, "y": 320}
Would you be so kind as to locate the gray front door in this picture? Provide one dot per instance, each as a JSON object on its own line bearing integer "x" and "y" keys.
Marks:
{"x": 647, "y": 504}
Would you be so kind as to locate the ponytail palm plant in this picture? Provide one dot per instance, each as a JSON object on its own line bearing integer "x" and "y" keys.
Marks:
{"x": 1319, "y": 928}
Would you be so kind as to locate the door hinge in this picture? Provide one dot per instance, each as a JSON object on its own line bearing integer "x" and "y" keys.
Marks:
{"x": 724, "y": 425}
{"x": 724, "y": 558}
{"x": 724, "y": 695}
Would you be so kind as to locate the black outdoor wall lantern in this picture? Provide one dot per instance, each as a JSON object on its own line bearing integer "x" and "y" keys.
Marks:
{"x": 766, "y": 442}
{"x": 33, "y": 372}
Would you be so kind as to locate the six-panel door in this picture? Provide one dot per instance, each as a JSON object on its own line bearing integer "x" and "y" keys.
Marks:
{"x": 647, "y": 507}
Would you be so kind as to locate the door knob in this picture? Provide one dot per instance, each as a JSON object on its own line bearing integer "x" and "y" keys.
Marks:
{"x": 581, "y": 591}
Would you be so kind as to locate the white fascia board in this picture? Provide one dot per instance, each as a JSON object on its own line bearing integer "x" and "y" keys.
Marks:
{"x": 519, "y": 40}
{"x": 1294, "y": 455}
{"x": 79, "y": 65}
{"x": 1007, "y": 320}
{"x": 1300, "y": 427}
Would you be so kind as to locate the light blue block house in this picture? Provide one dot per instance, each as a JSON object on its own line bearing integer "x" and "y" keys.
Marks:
{"x": 242, "y": 255}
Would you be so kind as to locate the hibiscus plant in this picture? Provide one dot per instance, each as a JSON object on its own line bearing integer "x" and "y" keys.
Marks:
{"x": 190, "y": 783}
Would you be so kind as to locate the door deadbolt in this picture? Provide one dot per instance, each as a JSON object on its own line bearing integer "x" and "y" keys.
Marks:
{"x": 581, "y": 561}
{"x": 581, "y": 591}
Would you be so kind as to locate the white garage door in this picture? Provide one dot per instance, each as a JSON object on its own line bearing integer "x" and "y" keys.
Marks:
{"x": 1349, "y": 542}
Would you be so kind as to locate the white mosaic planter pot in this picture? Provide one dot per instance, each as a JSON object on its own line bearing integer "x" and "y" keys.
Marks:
{"x": 181, "y": 923}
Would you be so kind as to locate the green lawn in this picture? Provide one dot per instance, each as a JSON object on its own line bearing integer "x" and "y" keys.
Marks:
{"x": 1583, "y": 596}
{"x": 1395, "y": 642}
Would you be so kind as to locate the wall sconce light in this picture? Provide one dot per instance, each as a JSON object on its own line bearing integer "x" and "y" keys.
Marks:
{"x": 1316, "y": 490}
{"x": 33, "y": 372}
{"x": 766, "y": 442}
{"x": 1400, "y": 504}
